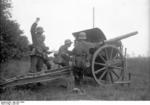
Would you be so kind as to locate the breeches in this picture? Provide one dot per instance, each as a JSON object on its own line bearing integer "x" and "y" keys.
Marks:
{"x": 37, "y": 63}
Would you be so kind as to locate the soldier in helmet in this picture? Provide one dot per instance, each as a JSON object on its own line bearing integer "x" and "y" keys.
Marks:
{"x": 82, "y": 56}
{"x": 39, "y": 50}
{"x": 80, "y": 60}
{"x": 81, "y": 49}
{"x": 63, "y": 55}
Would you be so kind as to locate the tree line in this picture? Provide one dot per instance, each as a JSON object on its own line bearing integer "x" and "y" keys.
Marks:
{"x": 13, "y": 44}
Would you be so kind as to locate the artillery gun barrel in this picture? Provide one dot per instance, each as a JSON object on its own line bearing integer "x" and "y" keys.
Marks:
{"x": 121, "y": 37}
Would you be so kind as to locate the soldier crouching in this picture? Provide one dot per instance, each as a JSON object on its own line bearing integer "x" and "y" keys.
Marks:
{"x": 63, "y": 56}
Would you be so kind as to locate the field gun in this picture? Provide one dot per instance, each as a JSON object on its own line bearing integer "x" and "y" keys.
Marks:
{"x": 106, "y": 62}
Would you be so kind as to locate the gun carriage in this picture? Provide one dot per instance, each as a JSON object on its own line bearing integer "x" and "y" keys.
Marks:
{"x": 106, "y": 63}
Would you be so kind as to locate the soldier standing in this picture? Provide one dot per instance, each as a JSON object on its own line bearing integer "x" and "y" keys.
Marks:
{"x": 39, "y": 50}
{"x": 80, "y": 54}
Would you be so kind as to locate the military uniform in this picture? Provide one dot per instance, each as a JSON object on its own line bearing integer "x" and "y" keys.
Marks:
{"x": 82, "y": 57}
{"x": 81, "y": 53}
{"x": 39, "y": 50}
{"x": 63, "y": 55}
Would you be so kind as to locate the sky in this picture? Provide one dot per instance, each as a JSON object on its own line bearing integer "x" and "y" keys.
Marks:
{"x": 60, "y": 18}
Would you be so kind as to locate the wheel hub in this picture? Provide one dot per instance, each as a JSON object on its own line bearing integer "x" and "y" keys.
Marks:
{"x": 109, "y": 63}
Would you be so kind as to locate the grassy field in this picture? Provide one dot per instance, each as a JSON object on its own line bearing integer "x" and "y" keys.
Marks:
{"x": 138, "y": 89}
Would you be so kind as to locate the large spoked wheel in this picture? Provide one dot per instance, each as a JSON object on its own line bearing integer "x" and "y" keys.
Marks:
{"x": 107, "y": 65}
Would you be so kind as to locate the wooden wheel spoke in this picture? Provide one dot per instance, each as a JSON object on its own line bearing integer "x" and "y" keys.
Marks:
{"x": 102, "y": 75}
{"x": 102, "y": 57}
{"x": 106, "y": 53}
{"x": 111, "y": 53}
{"x": 98, "y": 63}
{"x": 111, "y": 77}
{"x": 100, "y": 70}
{"x": 115, "y": 56}
{"x": 115, "y": 73}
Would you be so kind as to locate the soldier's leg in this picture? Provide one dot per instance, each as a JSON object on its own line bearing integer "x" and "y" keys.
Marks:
{"x": 77, "y": 76}
{"x": 80, "y": 75}
{"x": 47, "y": 63}
{"x": 70, "y": 81}
{"x": 33, "y": 64}
{"x": 77, "y": 84}
{"x": 39, "y": 65}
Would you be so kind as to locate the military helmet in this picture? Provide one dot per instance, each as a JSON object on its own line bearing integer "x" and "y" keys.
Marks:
{"x": 40, "y": 30}
{"x": 68, "y": 41}
{"x": 82, "y": 35}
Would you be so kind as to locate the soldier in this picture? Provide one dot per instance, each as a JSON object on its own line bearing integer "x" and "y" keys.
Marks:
{"x": 80, "y": 53}
{"x": 82, "y": 56}
{"x": 81, "y": 50}
{"x": 39, "y": 50}
{"x": 63, "y": 55}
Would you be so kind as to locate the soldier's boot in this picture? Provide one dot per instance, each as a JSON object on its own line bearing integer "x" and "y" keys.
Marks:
{"x": 77, "y": 86}
{"x": 32, "y": 70}
{"x": 70, "y": 81}
{"x": 33, "y": 64}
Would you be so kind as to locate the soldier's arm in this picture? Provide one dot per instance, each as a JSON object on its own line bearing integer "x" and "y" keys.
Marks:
{"x": 74, "y": 51}
{"x": 33, "y": 28}
{"x": 61, "y": 49}
{"x": 34, "y": 25}
{"x": 46, "y": 50}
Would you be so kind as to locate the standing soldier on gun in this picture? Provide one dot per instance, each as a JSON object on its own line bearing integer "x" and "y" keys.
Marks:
{"x": 39, "y": 50}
